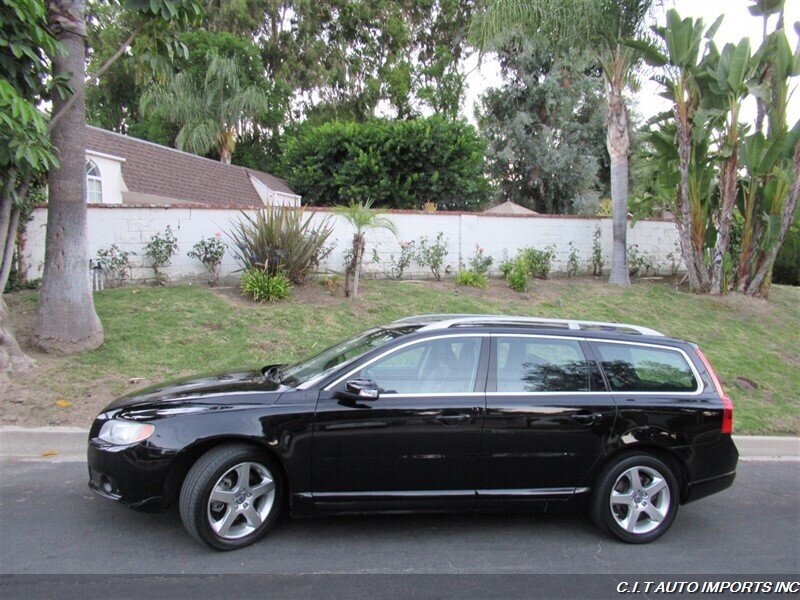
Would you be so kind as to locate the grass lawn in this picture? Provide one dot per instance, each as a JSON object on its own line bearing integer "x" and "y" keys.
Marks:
{"x": 157, "y": 333}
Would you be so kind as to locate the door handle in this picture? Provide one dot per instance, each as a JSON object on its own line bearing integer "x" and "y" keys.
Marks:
{"x": 586, "y": 418}
{"x": 450, "y": 420}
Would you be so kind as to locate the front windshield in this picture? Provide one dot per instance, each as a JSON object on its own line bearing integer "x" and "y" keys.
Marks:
{"x": 343, "y": 352}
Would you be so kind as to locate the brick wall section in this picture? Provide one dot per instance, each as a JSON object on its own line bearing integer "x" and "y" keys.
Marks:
{"x": 131, "y": 227}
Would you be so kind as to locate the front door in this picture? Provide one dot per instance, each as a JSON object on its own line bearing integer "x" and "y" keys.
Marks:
{"x": 419, "y": 438}
{"x": 547, "y": 416}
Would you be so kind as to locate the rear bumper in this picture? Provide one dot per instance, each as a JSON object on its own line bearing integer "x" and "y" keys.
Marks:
{"x": 711, "y": 468}
{"x": 701, "y": 489}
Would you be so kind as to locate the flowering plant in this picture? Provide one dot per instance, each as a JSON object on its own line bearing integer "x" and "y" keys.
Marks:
{"x": 210, "y": 251}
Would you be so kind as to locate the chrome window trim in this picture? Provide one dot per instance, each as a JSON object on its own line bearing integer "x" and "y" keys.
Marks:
{"x": 400, "y": 347}
{"x": 700, "y": 384}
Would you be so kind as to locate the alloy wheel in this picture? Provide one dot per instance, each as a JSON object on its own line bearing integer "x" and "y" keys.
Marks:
{"x": 640, "y": 499}
{"x": 241, "y": 500}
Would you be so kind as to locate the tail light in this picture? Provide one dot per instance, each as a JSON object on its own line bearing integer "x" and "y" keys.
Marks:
{"x": 727, "y": 405}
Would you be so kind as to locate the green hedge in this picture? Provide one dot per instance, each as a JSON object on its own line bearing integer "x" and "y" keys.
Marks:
{"x": 397, "y": 164}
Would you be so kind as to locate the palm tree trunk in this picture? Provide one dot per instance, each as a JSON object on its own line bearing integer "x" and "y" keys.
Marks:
{"x": 361, "y": 244}
{"x": 66, "y": 320}
{"x": 729, "y": 188}
{"x": 759, "y": 283}
{"x": 685, "y": 226}
{"x": 617, "y": 142}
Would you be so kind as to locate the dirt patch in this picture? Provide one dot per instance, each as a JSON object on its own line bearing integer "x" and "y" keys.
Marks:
{"x": 313, "y": 292}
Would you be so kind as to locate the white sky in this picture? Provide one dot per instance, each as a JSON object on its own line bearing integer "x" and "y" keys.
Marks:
{"x": 738, "y": 23}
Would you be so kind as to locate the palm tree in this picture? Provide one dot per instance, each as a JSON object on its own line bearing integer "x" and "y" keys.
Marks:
{"x": 363, "y": 218}
{"x": 66, "y": 320}
{"x": 210, "y": 113}
{"x": 598, "y": 27}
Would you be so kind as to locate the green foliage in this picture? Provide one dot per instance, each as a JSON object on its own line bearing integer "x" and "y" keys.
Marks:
{"x": 25, "y": 43}
{"x": 573, "y": 260}
{"x": 431, "y": 254}
{"x": 210, "y": 108}
{"x": 160, "y": 249}
{"x": 638, "y": 264}
{"x": 545, "y": 127}
{"x": 399, "y": 164}
{"x": 115, "y": 263}
{"x": 519, "y": 275}
{"x": 210, "y": 252}
{"x": 471, "y": 278}
{"x": 597, "y": 252}
{"x": 399, "y": 264}
{"x": 262, "y": 286}
{"x": 278, "y": 240}
{"x": 539, "y": 261}
{"x": 787, "y": 264}
{"x": 479, "y": 262}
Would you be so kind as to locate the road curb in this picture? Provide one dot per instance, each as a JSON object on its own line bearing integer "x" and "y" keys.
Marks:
{"x": 69, "y": 443}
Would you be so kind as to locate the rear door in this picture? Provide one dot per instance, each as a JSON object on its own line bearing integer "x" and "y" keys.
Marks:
{"x": 548, "y": 416}
{"x": 419, "y": 438}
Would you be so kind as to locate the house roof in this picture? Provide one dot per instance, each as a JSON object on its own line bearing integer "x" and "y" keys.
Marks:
{"x": 510, "y": 208}
{"x": 156, "y": 174}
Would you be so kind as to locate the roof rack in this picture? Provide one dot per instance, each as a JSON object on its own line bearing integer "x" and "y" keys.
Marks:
{"x": 444, "y": 321}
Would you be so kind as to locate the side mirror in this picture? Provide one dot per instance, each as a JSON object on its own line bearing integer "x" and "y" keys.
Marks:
{"x": 363, "y": 388}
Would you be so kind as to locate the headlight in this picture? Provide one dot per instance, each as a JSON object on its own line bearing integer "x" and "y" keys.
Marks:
{"x": 117, "y": 431}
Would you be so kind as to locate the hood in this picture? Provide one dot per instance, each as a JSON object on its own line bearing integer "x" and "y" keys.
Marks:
{"x": 235, "y": 388}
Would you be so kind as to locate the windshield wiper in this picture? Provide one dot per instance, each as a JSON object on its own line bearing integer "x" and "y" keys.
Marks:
{"x": 274, "y": 372}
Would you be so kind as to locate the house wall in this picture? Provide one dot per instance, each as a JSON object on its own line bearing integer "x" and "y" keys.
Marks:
{"x": 111, "y": 181}
{"x": 131, "y": 227}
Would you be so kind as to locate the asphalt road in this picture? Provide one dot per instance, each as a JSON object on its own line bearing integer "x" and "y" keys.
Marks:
{"x": 50, "y": 523}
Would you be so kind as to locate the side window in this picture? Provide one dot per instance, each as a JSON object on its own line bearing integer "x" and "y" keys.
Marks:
{"x": 632, "y": 368}
{"x": 94, "y": 186}
{"x": 541, "y": 365}
{"x": 445, "y": 365}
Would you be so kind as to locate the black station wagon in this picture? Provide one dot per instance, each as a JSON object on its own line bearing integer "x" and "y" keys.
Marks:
{"x": 431, "y": 413}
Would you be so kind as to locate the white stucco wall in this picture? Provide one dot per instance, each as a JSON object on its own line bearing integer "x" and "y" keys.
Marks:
{"x": 130, "y": 228}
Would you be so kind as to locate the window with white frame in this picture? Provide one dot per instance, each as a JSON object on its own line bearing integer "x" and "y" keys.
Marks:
{"x": 94, "y": 186}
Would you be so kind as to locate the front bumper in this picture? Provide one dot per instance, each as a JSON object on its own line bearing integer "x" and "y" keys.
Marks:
{"x": 132, "y": 475}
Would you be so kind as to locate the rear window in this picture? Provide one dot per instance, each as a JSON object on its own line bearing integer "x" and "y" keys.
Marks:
{"x": 541, "y": 365}
{"x": 631, "y": 368}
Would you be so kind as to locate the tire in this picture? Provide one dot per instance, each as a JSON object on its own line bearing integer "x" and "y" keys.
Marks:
{"x": 631, "y": 512}
{"x": 248, "y": 496}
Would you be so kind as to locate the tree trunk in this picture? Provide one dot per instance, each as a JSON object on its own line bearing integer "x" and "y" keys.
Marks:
{"x": 12, "y": 358}
{"x": 66, "y": 321}
{"x": 617, "y": 142}
{"x": 728, "y": 188}
{"x": 685, "y": 218}
{"x": 759, "y": 284}
{"x": 359, "y": 249}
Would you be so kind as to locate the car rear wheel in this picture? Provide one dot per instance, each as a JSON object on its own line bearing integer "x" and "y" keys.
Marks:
{"x": 231, "y": 496}
{"x": 636, "y": 498}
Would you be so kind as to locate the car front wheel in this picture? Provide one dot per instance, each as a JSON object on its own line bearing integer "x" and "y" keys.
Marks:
{"x": 636, "y": 498}
{"x": 231, "y": 496}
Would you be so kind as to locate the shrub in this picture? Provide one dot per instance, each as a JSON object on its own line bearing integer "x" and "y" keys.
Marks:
{"x": 160, "y": 249}
{"x": 506, "y": 264}
{"x": 637, "y": 262}
{"x": 471, "y": 278}
{"x": 432, "y": 254}
{"x": 401, "y": 163}
{"x": 539, "y": 261}
{"x": 277, "y": 240}
{"x": 398, "y": 266}
{"x": 209, "y": 251}
{"x": 518, "y": 275}
{"x": 597, "y": 253}
{"x": 115, "y": 263}
{"x": 573, "y": 262}
{"x": 262, "y": 286}
{"x": 479, "y": 262}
